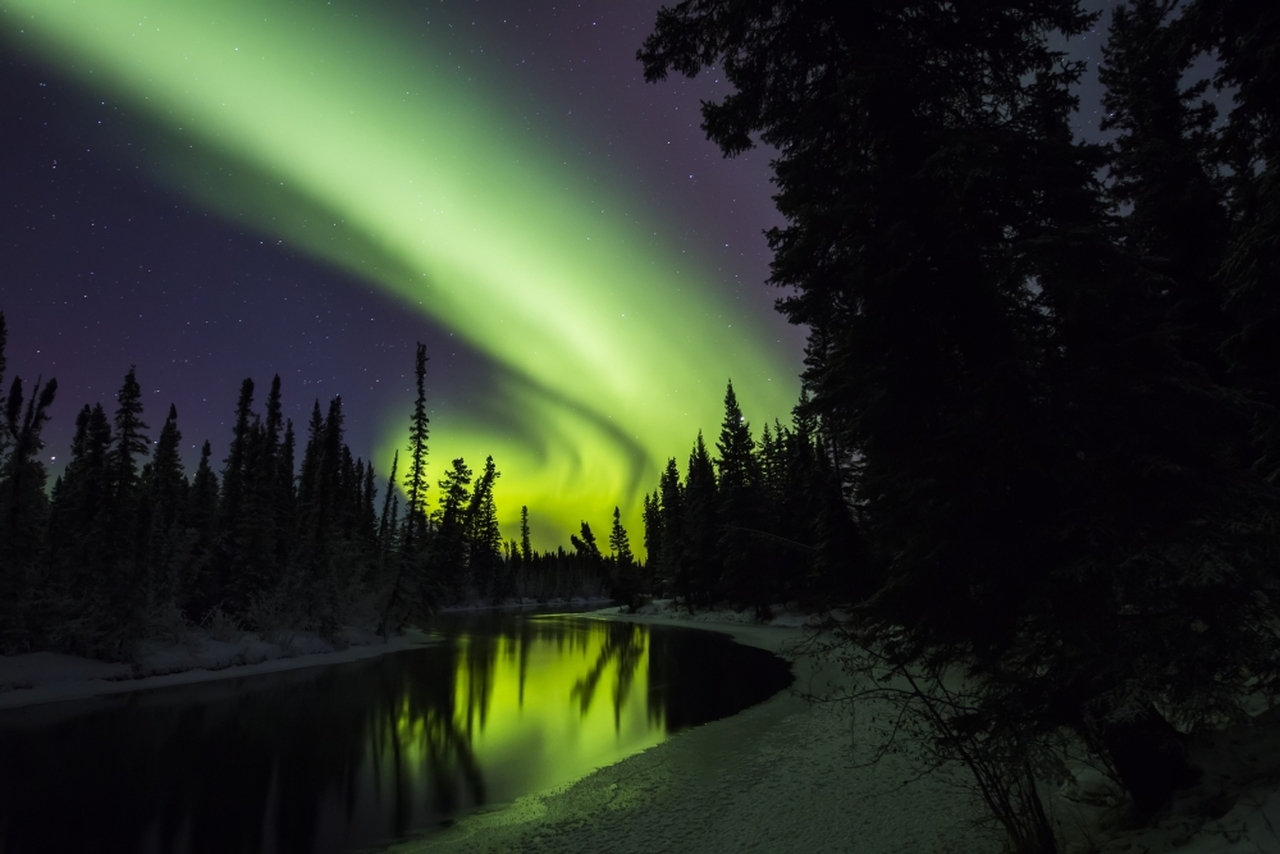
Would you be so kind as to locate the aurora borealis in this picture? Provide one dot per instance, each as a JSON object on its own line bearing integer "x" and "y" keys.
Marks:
{"x": 581, "y": 319}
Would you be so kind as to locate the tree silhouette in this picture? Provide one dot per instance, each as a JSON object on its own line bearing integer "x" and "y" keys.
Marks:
{"x": 1008, "y": 386}
{"x": 416, "y": 477}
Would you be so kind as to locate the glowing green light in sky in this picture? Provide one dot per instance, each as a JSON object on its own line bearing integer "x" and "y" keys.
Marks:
{"x": 611, "y": 349}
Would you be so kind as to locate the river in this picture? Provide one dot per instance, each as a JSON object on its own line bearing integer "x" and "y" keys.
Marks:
{"x": 356, "y": 756}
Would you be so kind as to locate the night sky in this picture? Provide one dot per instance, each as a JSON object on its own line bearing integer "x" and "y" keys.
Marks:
{"x": 214, "y": 191}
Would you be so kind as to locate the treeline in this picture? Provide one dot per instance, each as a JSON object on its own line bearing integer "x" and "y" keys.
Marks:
{"x": 1047, "y": 370}
{"x": 127, "y": 544}
{"x": 758, "y": 523}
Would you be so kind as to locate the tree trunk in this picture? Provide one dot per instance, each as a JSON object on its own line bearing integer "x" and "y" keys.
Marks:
{"x": 1150, "y": 757}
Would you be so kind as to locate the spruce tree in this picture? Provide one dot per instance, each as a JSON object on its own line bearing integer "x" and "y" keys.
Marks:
{"x": 1242, "y": 38}
{"x": 200, "y": 588}
{"x": 387, "y": 520}
{"x": 653, "y": 536}
{"x": 123, "y": 543}
{"x": 233, "y": 473}
{"x": 270, "y": 484}
{"x": 1043, "y": 476}
{"x": 671, "y": 564}
{"x": 485, "y": 540}
{"x": 619, "y": 543}
{"x": 1163, "y": 171}
{"x": 625, "y": 576}
{"x": 167, "y": 546}
{"x": 699, "y": 576}
{"x": 411, "y": 591}
{"x": 23, "y": 505}
{"x": 319, "y": 558}
{"x": 740, "y": 502}
{"x": 285, "y": 499}
{"x": 79, "y": 607}
{"x": 311, "y": 476}
{"x": 587, "y": 547}
{"x": 526, "y": 552}
{"x": 451, "y": 544}
{"x": 416, "y": 477}
{"x": 131, "y": 443}
{"x": 203, "y": 503}
{"x": 367, "y": 530}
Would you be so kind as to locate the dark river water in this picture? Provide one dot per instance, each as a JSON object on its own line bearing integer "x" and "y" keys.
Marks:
{"x": 355, "y": 756}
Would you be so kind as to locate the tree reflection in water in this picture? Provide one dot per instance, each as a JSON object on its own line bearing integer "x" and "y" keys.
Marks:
{"x": 623, "y": 653}
{"x": 349, "y": 756}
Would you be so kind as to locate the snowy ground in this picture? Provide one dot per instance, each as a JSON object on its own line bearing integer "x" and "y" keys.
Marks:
{"x": 779, "y": 777}
{"x": 201, "y": 655}
{"x": 48, "y": 677}
{"x": 786, "y": 775}
{"x": 789, "y": 775}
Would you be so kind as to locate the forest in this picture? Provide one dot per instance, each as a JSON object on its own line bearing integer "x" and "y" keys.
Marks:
{"x": 124, "y": 545}
{"x": 1037, "y": 444}
{"x": 1045, "y": 369}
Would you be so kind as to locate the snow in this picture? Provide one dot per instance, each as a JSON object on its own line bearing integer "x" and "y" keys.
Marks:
{"x": 1234, "y": 809}
{"x": 573, "y": 603}
{"x": 201, "y": 654}
{"x": 786, "y": 775}
{"x": 790, "y": 775}
{"x": 198, "y": 656}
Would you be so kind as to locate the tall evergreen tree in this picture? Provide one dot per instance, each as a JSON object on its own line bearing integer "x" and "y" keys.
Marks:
{"x": 311, "y": 476}
{"x": 485, "y": 539}
{"x": 123, "y": 543}
{"x": 23, "y": 506}
{"x": 979, "y": 334}
{"x": 1242, "y": 40}
{"x": 416, "y": 477}
{"x": 526, "y": 552}
{"x": 320, "y": 536}
{"x": 740, "y": 502}
{"x": 1163, "y": 171}
{"x": 79, "y": 591}
{"x": 671, "y": 568}
{"x": 411, "y": 590}
{"x": 233, "y": 473}
{"x": 390, "y": 510}
{"x": 451, "y": 546}
{"x": 619, "y": 542}
{"x": 701, "y": 569}
{"x": 285, "y": 499}
{"x": 131, "y": 443}
{"x": 587, "y": 548}
{"x": 203, "y": 504}
{"x": 167, "y": 547}
{"x": 202, "y": 589}
{"x": 653, "y": 536}
{"x": 625, "y": 576}
{"x": 255, "y": 490}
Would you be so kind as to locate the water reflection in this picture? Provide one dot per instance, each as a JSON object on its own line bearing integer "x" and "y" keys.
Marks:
{"x": 350, "y": 756}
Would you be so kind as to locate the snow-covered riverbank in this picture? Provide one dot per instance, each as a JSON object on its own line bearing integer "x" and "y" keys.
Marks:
{"x": 793, "y": 776}
{"x": 200, "y": 655}
{"x": 49, "y": 677}
{"x": 786, "y": 775}
{"x": 781, "y": 776}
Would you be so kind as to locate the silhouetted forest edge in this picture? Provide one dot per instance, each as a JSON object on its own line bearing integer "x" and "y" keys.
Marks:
{"x": 1043, "y": 367}
{"x": 125, "y": 552}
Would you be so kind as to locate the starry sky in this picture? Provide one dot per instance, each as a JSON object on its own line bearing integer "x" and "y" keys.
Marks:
{"x": 219, "y": 191}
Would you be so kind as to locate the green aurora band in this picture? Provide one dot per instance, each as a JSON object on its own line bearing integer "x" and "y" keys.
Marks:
{"x": 610, "y": 349}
